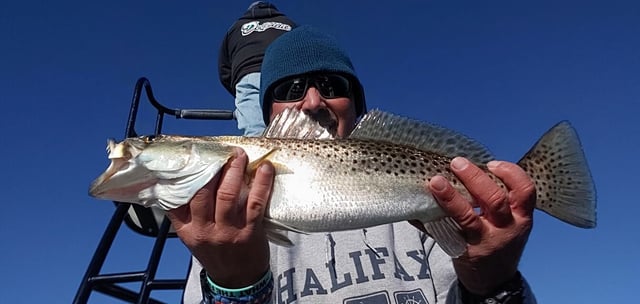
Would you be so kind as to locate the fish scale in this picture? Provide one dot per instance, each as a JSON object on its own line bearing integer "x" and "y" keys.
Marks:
{"x": 375, "y": 176}
{"x": 370, "y": 156}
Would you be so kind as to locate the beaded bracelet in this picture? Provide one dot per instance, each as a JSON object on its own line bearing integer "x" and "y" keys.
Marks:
{"x": 260, "y": 292}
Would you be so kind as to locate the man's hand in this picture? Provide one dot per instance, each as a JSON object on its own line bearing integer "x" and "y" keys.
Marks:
{"x": 497, "y": 236}
{"x": 222, "y": 225}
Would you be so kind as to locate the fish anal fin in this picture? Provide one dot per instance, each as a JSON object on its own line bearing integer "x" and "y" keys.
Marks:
{"x": 279, "y": 238}
{"x": 277, "y": 232}
{"x": 448, "y": 234}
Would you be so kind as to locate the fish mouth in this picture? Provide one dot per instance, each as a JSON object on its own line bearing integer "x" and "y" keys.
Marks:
{"x": 103, "y": 183}
{"x": 121, "y": 180}
{"x": 122, "y": 193}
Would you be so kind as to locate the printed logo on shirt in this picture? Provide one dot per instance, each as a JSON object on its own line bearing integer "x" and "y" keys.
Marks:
{"x": 382, "y": 297}
{"x": 255, "y": 26}
{"x": 367, "y": 266}
{"x": 410, "y": 297}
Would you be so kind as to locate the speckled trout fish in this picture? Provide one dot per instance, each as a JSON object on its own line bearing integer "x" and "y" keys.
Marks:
{"x": 375, "y": 176}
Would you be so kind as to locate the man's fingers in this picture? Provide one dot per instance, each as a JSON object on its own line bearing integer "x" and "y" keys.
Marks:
{"x": 456, "y": 206}
{"x": 201, "y": 207}
{"x": 228, "y": 196}
{"x": 522, "y": 191}
{"x": 490, "y": 197}
{"x": 260, "y": 192}
{"x": 180, "y": 216}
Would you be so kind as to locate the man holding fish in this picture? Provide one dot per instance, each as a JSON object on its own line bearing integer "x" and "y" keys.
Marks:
{"x": 359, "y": 207}
{"x": 223, "y": 228}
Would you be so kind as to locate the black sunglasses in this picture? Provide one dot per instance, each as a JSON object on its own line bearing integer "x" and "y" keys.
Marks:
{"x": 328, "y": 85}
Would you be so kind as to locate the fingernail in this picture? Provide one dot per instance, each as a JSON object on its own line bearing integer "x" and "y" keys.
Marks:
{"x": 459, "y": 163}
{"x": 266, "y": 169}
{"x": 438, "y": 183}
{"x": 493, "y": 164}
{"x": 238, "y": 152}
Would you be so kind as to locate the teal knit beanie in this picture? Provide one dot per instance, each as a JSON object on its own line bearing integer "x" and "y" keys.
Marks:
{"x": 305, "y": 50}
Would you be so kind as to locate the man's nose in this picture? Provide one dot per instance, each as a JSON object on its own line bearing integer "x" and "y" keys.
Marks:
{"x": 313, "y": 101}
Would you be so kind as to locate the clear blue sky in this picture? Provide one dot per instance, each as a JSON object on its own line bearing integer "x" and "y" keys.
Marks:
{"x": 500, "y": 71}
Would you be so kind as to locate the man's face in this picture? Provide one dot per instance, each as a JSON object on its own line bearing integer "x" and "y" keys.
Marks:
{"x": 325, "y": 100}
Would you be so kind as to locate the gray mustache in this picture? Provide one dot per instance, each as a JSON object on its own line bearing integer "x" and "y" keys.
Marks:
{"x": 325, "y": 119}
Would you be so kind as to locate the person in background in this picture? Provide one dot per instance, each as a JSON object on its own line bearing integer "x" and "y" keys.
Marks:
{"x": 240, "y": 59}
{"x": 393, "y": 263}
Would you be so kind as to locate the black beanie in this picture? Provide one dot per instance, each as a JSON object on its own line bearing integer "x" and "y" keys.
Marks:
{"x": 305, "y": 50}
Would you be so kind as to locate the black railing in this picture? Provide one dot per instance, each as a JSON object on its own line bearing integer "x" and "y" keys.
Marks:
{"x": 146, "y": 221}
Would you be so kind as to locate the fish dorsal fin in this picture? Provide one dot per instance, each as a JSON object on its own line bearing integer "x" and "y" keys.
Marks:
{"x": 293, "y": 123}
{"x": 380, "y": 125}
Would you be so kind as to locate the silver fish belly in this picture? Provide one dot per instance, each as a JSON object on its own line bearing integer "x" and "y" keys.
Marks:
{"x": 376, "y": 176}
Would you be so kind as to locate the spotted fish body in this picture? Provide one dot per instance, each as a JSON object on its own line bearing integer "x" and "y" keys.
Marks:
{"x": 347, "y": 177}
{"x": 373, "y": 177}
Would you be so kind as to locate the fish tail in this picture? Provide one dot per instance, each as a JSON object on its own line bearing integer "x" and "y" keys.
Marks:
{"x": 448, "y": 234}
{"x": 559, "y": 169}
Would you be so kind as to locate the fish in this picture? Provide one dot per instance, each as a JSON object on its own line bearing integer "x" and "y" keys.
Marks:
{"x": 374, "y": 176}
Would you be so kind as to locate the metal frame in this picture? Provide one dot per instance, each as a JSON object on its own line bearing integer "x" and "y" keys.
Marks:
{"x": 147, "y": 221}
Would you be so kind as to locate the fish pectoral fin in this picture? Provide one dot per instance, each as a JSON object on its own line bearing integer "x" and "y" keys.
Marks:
{"x": 282, "y": 168}
{"x": 448, "y": 234}
{"x": 253, "y": 166}
{"x": 277, "y": 232}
